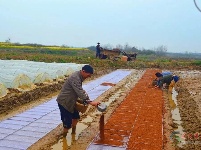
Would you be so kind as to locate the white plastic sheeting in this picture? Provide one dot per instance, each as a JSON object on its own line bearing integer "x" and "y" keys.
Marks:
{"x": 13, "y": 81}
{"x": 55, "y": 70}
{"x": 34, "y": 76}
{"x": 95, "y": 85}
{"x": 3, "y": 90}
{"x": 23, "y": 73}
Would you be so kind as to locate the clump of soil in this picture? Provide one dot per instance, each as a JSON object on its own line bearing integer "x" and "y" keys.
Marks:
{"x": 16, "y": 98}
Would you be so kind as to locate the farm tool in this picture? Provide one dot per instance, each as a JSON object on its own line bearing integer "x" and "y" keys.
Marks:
{"x": 110, "y": 54}
{"x": 130, "y": 56}
{"x": 102, "y": 108}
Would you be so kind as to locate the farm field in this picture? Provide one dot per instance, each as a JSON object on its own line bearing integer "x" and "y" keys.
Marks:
{"x": 188, "y": 102}
{"x": 179, "y": 121}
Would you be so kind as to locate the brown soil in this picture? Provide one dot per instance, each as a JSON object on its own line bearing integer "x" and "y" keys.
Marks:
{"x": 189, "y": 89}
{"x": 142, "y": 126}
{"x": 189, "y": 103}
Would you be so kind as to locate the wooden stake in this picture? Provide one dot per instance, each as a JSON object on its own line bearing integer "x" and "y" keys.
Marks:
{"x": 101, "y": 127}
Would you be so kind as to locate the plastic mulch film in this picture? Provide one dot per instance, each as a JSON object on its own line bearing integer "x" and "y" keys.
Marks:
{"x": 3, "y": 90}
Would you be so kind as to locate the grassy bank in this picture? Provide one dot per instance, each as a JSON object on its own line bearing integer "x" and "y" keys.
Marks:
{"x": 62, "y": 54}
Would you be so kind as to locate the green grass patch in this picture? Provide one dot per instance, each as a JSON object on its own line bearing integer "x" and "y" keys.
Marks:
{"x": 197, "y": 62}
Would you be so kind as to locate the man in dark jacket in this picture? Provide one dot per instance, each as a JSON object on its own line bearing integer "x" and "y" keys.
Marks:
{"x": 167, "y": 80}
{"x": 70, "y": 92}
{"x": 159, "y": 75}
{"x": 98, "y": 49}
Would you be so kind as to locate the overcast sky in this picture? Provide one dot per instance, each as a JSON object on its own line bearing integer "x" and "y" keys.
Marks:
{"x": 82, "y": 23}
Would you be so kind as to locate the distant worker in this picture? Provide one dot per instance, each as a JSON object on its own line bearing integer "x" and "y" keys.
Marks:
{"x": 158, "y": 75}
{"x": 98, "y": 49}
{"x": 167, "y": 80}
{"x": 68, "y": 97}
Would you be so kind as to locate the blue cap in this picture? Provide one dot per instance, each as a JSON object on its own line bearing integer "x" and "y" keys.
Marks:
{"x": 175, "y": 78}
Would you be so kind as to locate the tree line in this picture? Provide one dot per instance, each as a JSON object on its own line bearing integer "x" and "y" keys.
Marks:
{"x": 159, "y": 51}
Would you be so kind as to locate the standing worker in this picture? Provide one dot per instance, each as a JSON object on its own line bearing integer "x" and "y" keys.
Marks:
{"x": 98, "y": 49}
{"x": 70, "y": 92}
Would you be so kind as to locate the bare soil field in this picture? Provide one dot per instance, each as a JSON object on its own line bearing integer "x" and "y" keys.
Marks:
{"x": 188, "y": 102}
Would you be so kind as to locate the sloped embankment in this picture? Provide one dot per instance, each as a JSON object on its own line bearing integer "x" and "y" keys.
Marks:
{"x": 189, "y": 105}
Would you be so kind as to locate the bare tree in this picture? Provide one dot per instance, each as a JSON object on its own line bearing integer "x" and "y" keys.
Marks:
{"x": 127, "y": 47}
{"x": 161, "y": 50}
{"x": 7, "y": 40}
{"x": 119, "y": 46}
{"x": 107, "y": 46}
{"x": 134, "y": 49}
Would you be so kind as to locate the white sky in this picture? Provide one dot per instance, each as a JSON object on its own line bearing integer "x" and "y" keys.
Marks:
{"x": 82, "y": 23}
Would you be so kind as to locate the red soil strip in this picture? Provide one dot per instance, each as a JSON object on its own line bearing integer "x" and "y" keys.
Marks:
{"x": 108, "y": 84}
{"x": 137, "y": 122}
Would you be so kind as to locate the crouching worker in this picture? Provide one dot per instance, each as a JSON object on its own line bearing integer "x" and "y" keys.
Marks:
{"x": 68, "y": 96}
{"x": 167, "y": 80}
{"x": 158, "y": 75}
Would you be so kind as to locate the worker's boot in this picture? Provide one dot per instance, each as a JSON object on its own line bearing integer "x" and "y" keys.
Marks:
{"x": 65, "y": 131}
{"x": 73, "y": 129}
{"x": 65, "y": 145}
{"x": 72, "y": 138}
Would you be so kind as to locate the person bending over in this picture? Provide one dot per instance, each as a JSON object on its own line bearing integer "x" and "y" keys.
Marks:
{"x": 158, "y": 75}
{"x": 68, "y": 96}
{"x": 167, "y": 80}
